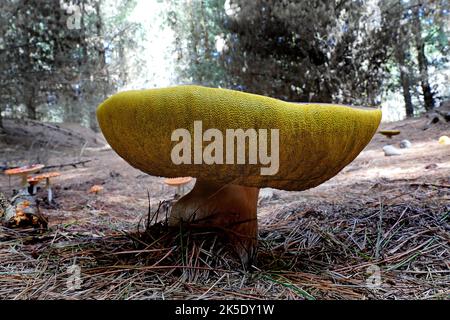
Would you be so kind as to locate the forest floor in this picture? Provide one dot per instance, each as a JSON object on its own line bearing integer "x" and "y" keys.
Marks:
{"x": 378, "y": 230}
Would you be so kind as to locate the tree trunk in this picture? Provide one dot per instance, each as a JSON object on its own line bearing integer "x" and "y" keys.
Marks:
{"x": 2, "y": 130}
{"x": 123, "y": 69}
{"x": 404, "y": 80}
{"x": 198, "y": 77}
{"x": 30, "y": 101}
{"x": 93, "y": 125}
{"x": 205, "y": 31}
{"x": 423, "y": 63}
{"x": 101, "y": 67}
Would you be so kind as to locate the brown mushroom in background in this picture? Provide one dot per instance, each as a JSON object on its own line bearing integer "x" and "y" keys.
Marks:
{"x": 389, "y": 133}
{"x": 179, "y": 183}
{"x": 316, "y": 141}
{"x": 23, "y": 172}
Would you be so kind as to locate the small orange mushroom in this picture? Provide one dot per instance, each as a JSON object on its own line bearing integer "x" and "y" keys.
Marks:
{"x": 33, "y": 182}
{"x": 23, "y": 172}
{"x": 179, "y": 182}
{"x": 47, "y": 176}
{"x": 96, "y": 189}
{"x": 25, "y": 204}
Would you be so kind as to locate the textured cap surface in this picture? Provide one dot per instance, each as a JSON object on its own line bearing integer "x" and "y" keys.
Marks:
{"x": 316, "y": 141}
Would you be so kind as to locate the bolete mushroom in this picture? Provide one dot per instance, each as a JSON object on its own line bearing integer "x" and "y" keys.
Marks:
{"x": 47, "y": 176}
{"x": 389, "y": 133}
{"x": 180, "y": 131}
{"x": 179, "y": 183}
{"x": 23, "y": 173}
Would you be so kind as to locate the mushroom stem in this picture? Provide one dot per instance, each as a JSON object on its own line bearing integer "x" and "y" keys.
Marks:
{"x": 24, "y": 182}
{"x": 33, "y": 188}
{"x": 231, "y": 208}
{"x": 49, "y": 190}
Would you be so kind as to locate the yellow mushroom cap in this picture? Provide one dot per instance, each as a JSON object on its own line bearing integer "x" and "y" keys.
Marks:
{"x": 316, "y": 140}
